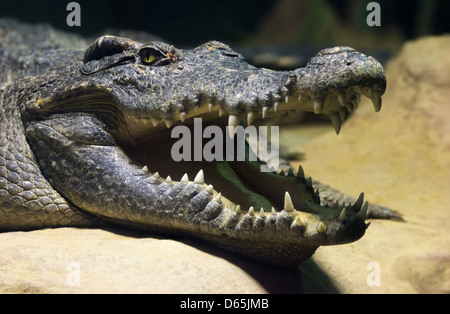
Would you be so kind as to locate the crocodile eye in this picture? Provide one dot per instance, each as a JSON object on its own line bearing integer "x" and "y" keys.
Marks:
{"x": 149, "y": 56}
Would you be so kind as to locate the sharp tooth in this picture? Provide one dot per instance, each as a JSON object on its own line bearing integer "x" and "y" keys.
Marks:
{"x": 251, "y": 116}
{"x": 218, "y": 198}
{"x": 376, "y": 100}
{"x": 220, "y": 112}
{"x": 238, "y": 209}
{"x": 300, "y": 173}
{"x": 155, "y": 121}
{"x": 350, "y": 107}
{"x": 343, "y": 215}
{"x": 156, "y": 174}
{"x": 265, "y": 110}
{"x": 145, "y": 169}
{"x": 359, "y": 201}
{"x": 275, "y": 106}
{"x": 273, "y": 211}
{"x": 343, "y": 114}
{"x": 233, "y": 121}
{"x": 318, "y": 105}
{"x": 210, "y": 189}
{"x": 368, "y": 224}
{"x": 291, "y": 173}
{"x": 341, "y": 98}
{"x": 309, "y": 181}
{"x": 336, "y": 121}
{"x": 362, "y": 214}
{"x": 288, "y": 205}
{"x": 185, "y": 178}
{"x": 251, "y": 211}
{"x": 182, "y": 116}
{"x": 210, "y": 107}
{"x": 199, "y": 178}
{"x": 168, "y": 122}
{"x": 169, "y": 179}
{"x": 321, "y": 227}
{"x": 286, "y": 98}
{"x": 145, "y": 121}
{"x": 262, "y": 213}
{"x": 298, "y": 221}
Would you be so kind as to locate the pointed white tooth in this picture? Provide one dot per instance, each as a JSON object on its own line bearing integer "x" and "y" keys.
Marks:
{"x": 318, "y": 105}
{"x": 233, "y": 121}
{"x": 341, "y": 97}
{"x": 200, "y": 177}
{"x": 218, "y": 198}
{"x": 362, "y": 214}
{"x": 168, "y": 122}
{"x": 155, "y": 121}
{"x": 336, "y": 121}
{"x": 265, "y": 110}
{"x": 185, "y": 178}
{"x": 251, "y": 116}
{"x": 321, "y": 227}
{"x": 300, "y": 172}
{"x": 145, "y": 169}
{"x": 286, "y": 98}
{"x": 376, "y": 100}
{"x": 298, "y": 221}
{"x": 262, "y": 213}
{"x": 169, "y": 179}
{"x": 145, "y": 121}
{"x": 220, "y": 112}
{"x": 275, "y": 106}
{"x": 156, "y": 174}
{"x": 209, "y": 189}
{"x": 238, "y": 209}
{"x": 210, "y": 107}
{"x": 251, "y": 211}
{"x": 359, "y": 201}
{"x": 182, "y": 116}
{"x": 273, "y": 211}
{"x": 350, "y": 107}
{"x": 343, "y": 215}
{"x": 290, "y": 173}
{"x": 343, "y": 114}
{"x": 288, "y": 205}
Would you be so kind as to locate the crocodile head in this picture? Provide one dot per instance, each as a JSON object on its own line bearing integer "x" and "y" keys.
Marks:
{"x": 102, "y": 131}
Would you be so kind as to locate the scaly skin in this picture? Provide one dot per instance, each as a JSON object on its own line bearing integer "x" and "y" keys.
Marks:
{"x": 85, "y": 141}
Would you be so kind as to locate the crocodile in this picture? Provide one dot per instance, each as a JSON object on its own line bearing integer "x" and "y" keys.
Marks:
{"x": 86, "y": 142}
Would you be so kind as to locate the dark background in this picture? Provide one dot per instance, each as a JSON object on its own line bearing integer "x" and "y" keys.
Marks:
{"x": 267, "y": 22}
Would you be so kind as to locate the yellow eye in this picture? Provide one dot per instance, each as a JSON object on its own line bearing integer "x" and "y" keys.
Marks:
{"x": 148, "y": 56}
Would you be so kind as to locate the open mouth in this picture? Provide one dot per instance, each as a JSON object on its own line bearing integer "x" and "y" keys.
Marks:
{"x": 240, "y": 185}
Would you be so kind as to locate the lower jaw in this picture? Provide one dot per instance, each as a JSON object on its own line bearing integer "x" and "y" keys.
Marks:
{"x": 240, "y": 182}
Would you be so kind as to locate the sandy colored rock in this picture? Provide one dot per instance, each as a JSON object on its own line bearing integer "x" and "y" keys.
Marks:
{"x": 70, "y": 260}
{"x": 400, "y": 158}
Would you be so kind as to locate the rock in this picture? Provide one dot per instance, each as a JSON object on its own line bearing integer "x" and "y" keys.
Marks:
{"x": 400, "y": 158}
{"x": 71, "y": 260}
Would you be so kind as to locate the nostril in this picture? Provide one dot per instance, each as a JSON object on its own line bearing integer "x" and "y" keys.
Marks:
{"x": 349, "y": 63}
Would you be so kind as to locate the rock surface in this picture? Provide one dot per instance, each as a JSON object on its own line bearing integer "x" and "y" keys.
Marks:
{"x": 400, "y": 157}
